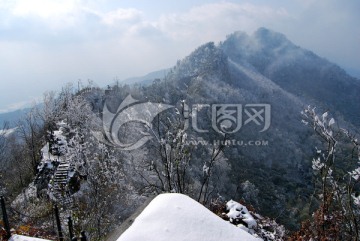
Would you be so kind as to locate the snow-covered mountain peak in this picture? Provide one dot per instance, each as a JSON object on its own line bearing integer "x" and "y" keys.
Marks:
{"x": 269, "y": 38}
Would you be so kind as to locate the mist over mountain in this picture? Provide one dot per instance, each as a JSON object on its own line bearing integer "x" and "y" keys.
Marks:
{"x": 265, "y": 68}
{"x": 146, "y": 79}
{"x": 10, "y": 118}
{"x": 209, "y": 76}
{"x": 296, "y": 70}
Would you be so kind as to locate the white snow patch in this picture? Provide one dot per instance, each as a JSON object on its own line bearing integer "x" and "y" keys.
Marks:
{"x": 29, "y": 193}
{"x": 16, "y": 237}
{"x": 177, "y": 217}
{"x": 7, "y": 132}
{"x": 238, "y": 211}
{"x": 48, "y": 158}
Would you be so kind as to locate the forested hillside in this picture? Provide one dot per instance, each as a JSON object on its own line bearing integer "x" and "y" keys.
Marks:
{"x": 226, "y": 122}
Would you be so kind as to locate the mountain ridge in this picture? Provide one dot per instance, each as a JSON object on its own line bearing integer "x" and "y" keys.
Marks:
{"x": 297, "y": 70}
{"x": 265, "y": 158}
{"x": 238, "y": 71}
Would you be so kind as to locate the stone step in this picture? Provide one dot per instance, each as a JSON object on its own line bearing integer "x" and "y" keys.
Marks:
{"x": 60, "y": 180}
{"x": 61, "y": 172}
{"x": 59, "y": 189}
{"x": 60, "y": 176}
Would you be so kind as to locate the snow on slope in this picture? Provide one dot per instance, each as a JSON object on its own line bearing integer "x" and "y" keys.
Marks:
{"x": 264, "y": 82}
{"x": 177, "y": 217}
{"x": 7, "y": 132}
{"x": 16, "y": 237}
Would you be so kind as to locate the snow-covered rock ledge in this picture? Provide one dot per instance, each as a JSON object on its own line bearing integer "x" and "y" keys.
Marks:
{"x": 177, "y": 217}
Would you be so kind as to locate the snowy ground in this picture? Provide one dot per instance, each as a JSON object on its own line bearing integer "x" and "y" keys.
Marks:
{"x": 25, "y": 238}
{"x": 177, "y": 217}
{"x": 7, "y": 132}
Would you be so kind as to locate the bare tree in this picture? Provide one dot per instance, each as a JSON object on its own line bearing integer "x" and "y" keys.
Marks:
{"x": 171, "y": 165}
{"x": 208, "y": 169}
{"x": 171, "y": 157}
{"x": 3, "y": 142}
{"x": 31, "y": 131}
{"x": 3, "y": 153}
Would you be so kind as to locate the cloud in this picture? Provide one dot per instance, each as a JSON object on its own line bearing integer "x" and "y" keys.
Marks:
{"x": 44, "y": 20}
{"x": 59, "y": 41}
{"x": 329, "y": 28}
{"x": 210, "y": 21}
{"x": 20, "y": 105}
{"x": 43, "y": 8}
{"x": 62, "y": 21}
{"x": 121, "y": 15}
{"x": 55, "y": 14}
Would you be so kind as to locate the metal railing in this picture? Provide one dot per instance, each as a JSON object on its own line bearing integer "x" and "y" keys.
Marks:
{"x": 60, "y": 235}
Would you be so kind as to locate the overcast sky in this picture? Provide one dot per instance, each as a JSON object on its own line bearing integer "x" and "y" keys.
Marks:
{"x": 47, "y": 43}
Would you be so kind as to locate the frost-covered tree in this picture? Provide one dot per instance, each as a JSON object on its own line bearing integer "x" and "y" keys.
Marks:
{"x": 207, "y": 187}
{"x": 100, "y": 177}
{"x": 78, "y": 172}
{"x": 249, "y": 192}
{"x": 167, "y": 169}
{"x": 170, "y": 166}
{"x": 3, "y": 152}
{"x": 336, "y": 173}
{"x": 31, "y": 131}
{"x": 3, "y": 141}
